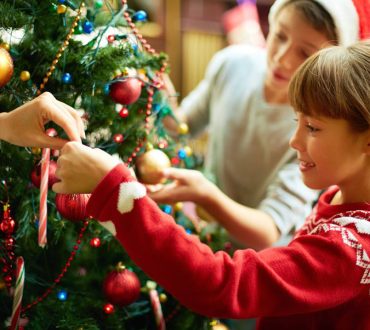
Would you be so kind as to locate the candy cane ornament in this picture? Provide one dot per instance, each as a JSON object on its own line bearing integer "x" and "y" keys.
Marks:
{"x": 18, "y": 294}
{"x": 44, "y": 186}
{"x": 157, "y": 309}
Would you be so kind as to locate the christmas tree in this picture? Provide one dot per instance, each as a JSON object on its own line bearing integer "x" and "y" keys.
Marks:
{"x": 91, "y": 56}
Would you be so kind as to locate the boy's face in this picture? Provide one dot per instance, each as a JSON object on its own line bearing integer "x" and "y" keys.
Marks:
{"x": 290, "y": 42}
{"x": 330, "y": 152}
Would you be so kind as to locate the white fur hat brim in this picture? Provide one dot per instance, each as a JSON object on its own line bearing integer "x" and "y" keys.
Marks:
{"x": 344, "y": 15}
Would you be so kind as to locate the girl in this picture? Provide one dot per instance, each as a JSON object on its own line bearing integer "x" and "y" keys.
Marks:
{"x": 321, "y": 280}
{"x": 243, "y": 100}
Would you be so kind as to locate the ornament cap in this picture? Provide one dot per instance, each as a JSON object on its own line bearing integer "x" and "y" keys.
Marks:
{"x": 120, "y": 267}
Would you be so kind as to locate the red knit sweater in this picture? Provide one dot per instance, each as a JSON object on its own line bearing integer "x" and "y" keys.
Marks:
{"x": 320, "y": 281}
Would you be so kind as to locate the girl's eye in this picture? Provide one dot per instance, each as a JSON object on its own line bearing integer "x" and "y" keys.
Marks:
{"x": 311, "y": 128}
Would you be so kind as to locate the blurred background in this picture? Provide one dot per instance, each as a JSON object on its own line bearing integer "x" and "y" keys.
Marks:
{"x": 191, "y": 31}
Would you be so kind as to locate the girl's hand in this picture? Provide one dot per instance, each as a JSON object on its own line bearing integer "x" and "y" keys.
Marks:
{"x": 81, "y": 168}
{"x": 186, "y": 185}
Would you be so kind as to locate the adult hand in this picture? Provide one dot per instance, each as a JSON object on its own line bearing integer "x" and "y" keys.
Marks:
{"x": 187, "y": 185}
{"x": 24, "y": 126}
{"x": 80, "y": 168}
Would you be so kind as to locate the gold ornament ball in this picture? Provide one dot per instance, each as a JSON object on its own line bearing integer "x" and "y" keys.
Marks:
{"x": 183, "y": 129}
{"x": 25, "y": 76}
{"x": 5, "y": 45}
{"x": 163, "y": 298}
{"x": 6, "y": 67}
{"x": 178, "y": 206}
{"x": 36, "y": 150}
{"x": 150, "y": 165}
{"x": 61, "y": 9}
{"x": 220, "y": 326}
{"x": 188, "y": 151}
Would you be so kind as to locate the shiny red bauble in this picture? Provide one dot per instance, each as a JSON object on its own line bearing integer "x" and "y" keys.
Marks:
{"x": 121, "y": 287}
{"x": 126, "y": 91}
{"x": 72, "y": 206}
{"x": 36, "y": 174}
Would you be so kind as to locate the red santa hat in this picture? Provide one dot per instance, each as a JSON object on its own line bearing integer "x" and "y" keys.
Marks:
{"x": 351, "y": 17}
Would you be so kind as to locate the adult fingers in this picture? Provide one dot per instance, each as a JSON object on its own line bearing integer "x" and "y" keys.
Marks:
{"x": 76, "y": 117}
{"x": 63, "y": 118}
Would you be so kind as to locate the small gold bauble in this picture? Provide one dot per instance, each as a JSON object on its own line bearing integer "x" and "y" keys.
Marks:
{"x": 188, "y": 151}
{"x": 183, "y": 129}
{"x": 25, "y": 75}
{"x": 220, "y": 326}
{"x": 149, "y": 166}
{"x": 61, "y": 9}
{"x": 178, "y": 206}
{"x": 5, "y": 45}
{"x": 36, "y": 150}
{"x": 6, "y": 67}
{"x": 163, "y": 298}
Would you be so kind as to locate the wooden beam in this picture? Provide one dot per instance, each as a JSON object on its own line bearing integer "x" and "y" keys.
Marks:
{"x": 173, "y": 39}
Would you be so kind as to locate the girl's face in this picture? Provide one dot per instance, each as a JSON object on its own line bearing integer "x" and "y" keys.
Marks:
{"x": 331, "y": 153}
{"x": 290, "y": 42}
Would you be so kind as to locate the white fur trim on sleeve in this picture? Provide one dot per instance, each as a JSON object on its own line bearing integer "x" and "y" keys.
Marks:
{"x": 128, "y": 192}
{"x": 109, "y": 225}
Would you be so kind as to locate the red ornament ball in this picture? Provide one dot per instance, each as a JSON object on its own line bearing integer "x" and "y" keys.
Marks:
{"x": 95, "y": 242}
{"x": 118, "y": 138}
{"x": 72, "y": 206}
{"x": 108, "y": 309}
{"x": 7, "y": 226}
{"x": 126, "y": 91}
{"x": 36, "y": 174}
{"x": 121, "y": 286}
{"x": 124, "y": 112}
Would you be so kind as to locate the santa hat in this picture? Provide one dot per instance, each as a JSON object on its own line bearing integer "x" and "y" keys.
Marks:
{"x": 351, "y": 17}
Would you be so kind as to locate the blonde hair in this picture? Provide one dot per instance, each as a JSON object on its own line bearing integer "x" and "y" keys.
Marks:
{"x": 335, "y": 83}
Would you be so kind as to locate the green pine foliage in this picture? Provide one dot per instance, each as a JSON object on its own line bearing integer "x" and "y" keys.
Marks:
{"x": 92, "y": 68}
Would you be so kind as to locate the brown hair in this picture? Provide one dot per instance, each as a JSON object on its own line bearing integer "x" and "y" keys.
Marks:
{"x": 335, "y": 83}
{"x": 317, "y": 16}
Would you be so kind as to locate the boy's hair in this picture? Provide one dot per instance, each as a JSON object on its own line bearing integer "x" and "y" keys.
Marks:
{"x": 335, "y": 83}
{"x": 315, "y": 15}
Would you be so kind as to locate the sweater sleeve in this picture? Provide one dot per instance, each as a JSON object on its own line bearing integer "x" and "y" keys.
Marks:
{"x": 305, "y": 276}
{"x": 289, "y": 201}
{"x": 197, "y": 105}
